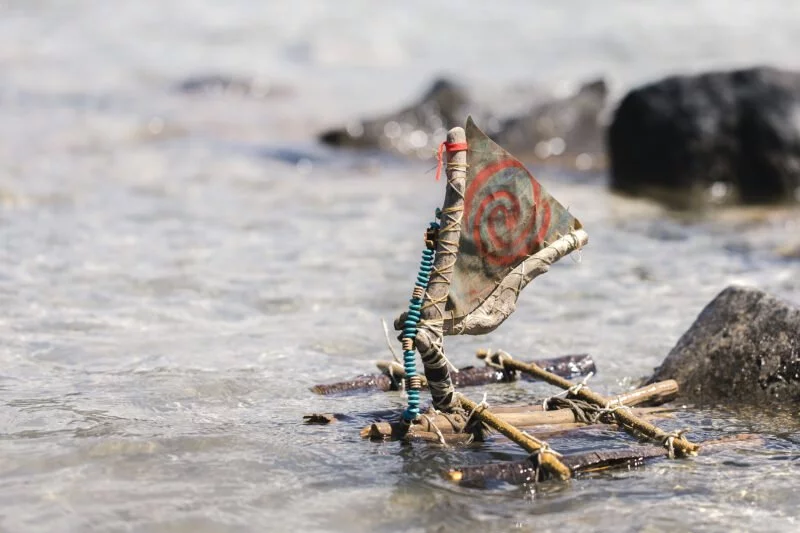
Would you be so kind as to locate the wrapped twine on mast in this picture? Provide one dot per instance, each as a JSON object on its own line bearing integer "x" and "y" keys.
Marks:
{"x": 429, "y": 337}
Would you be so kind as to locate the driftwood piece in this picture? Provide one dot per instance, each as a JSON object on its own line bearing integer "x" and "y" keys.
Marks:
{"x": 674, "y": 442}
{"x": 390, "y": 379}
{"x": 568, "y": 366}
{"x": 654, "y": 394}
{"x": 452, "y": 439}
{"x": 380, "y": 431}
{"x": 456, "y": 423}
{"x": 367, "y": 382}
{"x": 522, "y": 415}
{"x": 429, "y": 337}
{"x": 460, "y": 439}
{"x": 527, "y": 471}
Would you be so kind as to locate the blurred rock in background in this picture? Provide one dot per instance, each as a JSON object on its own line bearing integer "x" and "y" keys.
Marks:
{"x": 720, "y": 137}
{"x": 564, "y": 130}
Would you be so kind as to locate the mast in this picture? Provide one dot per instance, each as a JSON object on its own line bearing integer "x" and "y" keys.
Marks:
{"x": 429, "y": 339}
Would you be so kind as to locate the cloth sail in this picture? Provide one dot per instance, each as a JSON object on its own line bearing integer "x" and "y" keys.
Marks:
{"x": 508, "y": 216}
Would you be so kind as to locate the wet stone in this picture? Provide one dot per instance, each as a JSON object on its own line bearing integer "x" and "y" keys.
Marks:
{"x": 744, "y": 348}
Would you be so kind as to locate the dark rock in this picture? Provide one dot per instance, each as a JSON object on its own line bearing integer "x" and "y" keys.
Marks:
{"x": 563, "y": 129}
{"x": 721, "y": 137}
{"x": 414, "y": 130}
{"x": 744, "y": 348}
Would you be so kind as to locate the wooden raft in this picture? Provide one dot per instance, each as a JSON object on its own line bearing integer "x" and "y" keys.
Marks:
{"x": 479, "y": 172}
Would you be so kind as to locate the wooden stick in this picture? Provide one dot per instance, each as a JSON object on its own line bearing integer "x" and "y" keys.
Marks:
{"x": 429, "y": 338}
{"x": 558, "y": 416}
{"x": 415, "y": 433}
{"x": 652, "y": 395}
{"x": 566, "y": 366}
{"x": 382, "y": 431}
{"x": 624, "y": 417}
{"x": 547, "y": 458}
{"x": 392, "y": 374}
{"x": 531, "y": 415}
{"x": 520, "y": 472}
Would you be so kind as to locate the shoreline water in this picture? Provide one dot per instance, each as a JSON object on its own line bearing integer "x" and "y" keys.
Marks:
{"x": 170, "y": 289}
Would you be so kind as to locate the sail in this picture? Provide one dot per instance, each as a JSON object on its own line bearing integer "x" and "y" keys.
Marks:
{"x": 508, "y": 216}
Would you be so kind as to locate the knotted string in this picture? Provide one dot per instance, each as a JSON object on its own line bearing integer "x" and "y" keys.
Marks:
{"x": 572, "y": 391}
{"x": 450, "y": 147}
{"x": 669, "y": 441}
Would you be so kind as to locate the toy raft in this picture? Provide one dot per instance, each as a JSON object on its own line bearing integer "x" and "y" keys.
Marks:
{"x": 497, "y": 231}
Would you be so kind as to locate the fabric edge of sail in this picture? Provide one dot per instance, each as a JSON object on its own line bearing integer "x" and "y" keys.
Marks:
{"x": 508, "y": 216}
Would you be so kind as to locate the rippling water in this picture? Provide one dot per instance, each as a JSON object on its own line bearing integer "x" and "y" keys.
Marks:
{"x": 177, "y": 270}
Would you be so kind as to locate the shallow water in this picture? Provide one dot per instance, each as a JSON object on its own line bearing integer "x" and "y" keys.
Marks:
{"x": 177, "y": 270}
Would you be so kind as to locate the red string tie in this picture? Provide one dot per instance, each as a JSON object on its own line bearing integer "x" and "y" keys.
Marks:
{"x": 450, "y": 147}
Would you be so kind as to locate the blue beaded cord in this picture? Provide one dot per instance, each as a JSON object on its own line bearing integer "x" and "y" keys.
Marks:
{"x": 410, "y": 328}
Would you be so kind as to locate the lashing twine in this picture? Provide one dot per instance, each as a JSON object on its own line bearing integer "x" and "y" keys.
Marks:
{"x": 450, "y": 147}
{"x": 669, "y": 441}
{"x": 483, "y": 405}
{"x": 433, "y": 358}
{"x": 432, "y": 425}
{"x": 536, "y": 457}
{"x": 572, "y": 391}
{"x": 585, "y": 412}
{"x": 612, "y": 407}
{"x": 544, "y": 446}
{"x": 497, "y": 361}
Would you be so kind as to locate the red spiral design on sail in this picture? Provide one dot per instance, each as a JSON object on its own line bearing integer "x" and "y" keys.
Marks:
{"x": 504, "y": 228}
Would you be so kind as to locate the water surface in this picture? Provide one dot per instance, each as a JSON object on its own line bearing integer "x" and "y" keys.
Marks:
{"x": 177, "y": 270}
